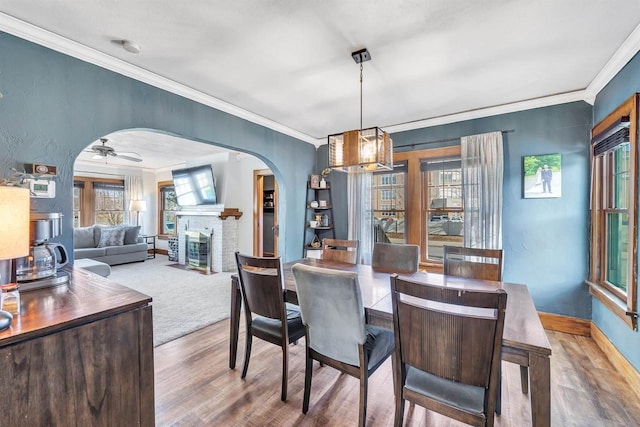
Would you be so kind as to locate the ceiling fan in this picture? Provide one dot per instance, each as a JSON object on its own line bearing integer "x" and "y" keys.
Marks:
{"x": 104, "y": 151}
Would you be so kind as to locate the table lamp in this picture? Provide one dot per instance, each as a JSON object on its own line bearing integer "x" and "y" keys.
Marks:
{"x": 138, "y": 206}
{"x": 14, "y": 233}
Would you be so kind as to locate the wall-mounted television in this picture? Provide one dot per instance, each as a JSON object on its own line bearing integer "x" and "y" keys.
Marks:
{"x": 195, "y": 186}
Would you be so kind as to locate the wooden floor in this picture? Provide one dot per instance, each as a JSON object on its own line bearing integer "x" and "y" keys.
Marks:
{"x": 195, "y": 387}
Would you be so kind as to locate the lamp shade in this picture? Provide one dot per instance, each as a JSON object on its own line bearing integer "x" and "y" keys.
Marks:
{"x": 14, "y": 222}
{"x": 138, "y": 205}
{"x": 363, "y": 150}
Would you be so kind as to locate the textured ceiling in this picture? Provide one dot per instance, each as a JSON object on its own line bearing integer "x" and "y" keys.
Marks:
{"x": 289, "y": 61}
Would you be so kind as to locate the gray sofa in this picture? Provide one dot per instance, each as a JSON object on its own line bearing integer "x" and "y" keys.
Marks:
{"x": 111, "y": 245}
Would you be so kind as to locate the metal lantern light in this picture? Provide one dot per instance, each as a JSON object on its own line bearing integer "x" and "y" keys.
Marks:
{"x": 361, "y": 150}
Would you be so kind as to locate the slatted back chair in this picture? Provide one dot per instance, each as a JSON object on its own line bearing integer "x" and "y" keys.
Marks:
{"x": 395, "y": 258}
{"x": 473, "y": 263}
{"x": 340, "y": 250}
{"x": 267, "y": 315}
{"x": 337, "y": 335}
{"x": 448, "y": 344}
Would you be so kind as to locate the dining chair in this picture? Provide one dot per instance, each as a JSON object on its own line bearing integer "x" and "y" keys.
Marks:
{"x": 395, "y": 257}
{"x": 340, "y": 250}
{"x": 267, "y": 315}
{"x": 448, "y": 345}
{"x": 473, "y": 263}
{"x": 337, "y": 335}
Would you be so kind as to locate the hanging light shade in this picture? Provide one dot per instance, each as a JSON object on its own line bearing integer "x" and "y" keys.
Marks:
{"x": 364, "y": 150}
{"x": 361, "y": 150}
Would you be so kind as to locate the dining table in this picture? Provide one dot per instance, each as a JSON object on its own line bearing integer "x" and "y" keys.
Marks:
{"x": 524, "y": 340}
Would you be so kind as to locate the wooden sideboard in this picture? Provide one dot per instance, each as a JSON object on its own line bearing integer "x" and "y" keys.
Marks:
{"x": 79, "y": 354}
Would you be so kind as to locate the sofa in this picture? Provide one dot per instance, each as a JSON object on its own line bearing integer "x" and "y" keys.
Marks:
{"x": 111, "y": 245}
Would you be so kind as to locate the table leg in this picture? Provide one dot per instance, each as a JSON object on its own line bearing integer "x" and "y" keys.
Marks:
{"x": 234, "y": 321}
{"x": 540, "y": 385}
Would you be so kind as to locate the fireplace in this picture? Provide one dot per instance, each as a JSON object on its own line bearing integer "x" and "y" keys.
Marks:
{"x": 222, "y": 231}
{"x": 198, "y": 250}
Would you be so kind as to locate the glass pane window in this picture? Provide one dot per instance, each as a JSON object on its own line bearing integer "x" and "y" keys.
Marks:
{"x": 77, "y": 193}
{"x": 617, "y": 249}
{"x": 443, "y": 212}
{"x": 109, "y": 204}
{"x": 620, "y": 159}
{"x": 168, "y": 208}
{"x": 388, "y": 204}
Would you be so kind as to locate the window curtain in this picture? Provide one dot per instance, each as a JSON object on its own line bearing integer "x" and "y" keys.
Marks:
{"x": 360, "y": 213}
{"x": 482, "y": 172}
{"x": 132, "y": 191}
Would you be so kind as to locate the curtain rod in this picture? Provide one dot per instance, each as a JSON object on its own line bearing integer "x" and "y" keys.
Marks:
{"x": 445, "y": 140}
{"x": 99, "y": 173}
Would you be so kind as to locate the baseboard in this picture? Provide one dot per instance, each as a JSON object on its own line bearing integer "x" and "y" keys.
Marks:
{"x": 162, "y": 251}
{"x": 617, "y": 359}
{"x": 569, "y": 325}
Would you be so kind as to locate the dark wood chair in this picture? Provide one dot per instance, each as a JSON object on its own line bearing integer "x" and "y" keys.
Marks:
{"x": 448, "y": 344}
{"x": 337, "y": 335}
{"x": 340, "y": 250}
{"x": 484, "y": 264}
{"x": 473, "y": 263}
{"x": 267, "y": 315}
{"x": 395, "y": 257}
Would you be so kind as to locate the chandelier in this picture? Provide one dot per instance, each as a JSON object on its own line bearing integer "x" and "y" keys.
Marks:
{"x": 361, "y": 150}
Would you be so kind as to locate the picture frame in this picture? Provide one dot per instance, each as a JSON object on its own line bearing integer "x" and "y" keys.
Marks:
{"x": 542, "y": 176}
{"x": 314, "y": 181}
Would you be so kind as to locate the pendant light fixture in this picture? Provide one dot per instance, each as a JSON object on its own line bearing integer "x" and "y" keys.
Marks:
{"x": 361, "y": 150}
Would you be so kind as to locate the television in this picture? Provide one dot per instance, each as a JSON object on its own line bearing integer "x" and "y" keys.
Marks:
{"x": 195, "y": 186}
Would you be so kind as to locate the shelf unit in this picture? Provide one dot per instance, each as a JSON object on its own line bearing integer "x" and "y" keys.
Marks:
{"x": 312, "y": 212}
{"x": 268, "y": 201}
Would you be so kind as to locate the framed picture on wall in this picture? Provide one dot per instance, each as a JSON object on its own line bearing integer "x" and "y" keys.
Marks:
{"x": 542, "y": 176}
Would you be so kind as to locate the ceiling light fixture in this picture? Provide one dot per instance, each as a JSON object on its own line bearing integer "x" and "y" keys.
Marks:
{"x": 361, "y": 150}
{"x": 130, "y": 46}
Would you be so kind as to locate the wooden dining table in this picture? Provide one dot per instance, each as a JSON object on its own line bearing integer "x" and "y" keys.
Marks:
{"x": 524, "y": 340}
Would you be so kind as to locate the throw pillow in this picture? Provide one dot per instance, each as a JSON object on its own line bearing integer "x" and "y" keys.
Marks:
{"x": 111, "y": 236}
{"x": 131, "y": 234}
{"x": 83, "y": 238}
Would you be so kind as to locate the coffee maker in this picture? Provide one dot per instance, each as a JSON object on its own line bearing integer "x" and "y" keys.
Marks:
{"x": 40, "y": 268}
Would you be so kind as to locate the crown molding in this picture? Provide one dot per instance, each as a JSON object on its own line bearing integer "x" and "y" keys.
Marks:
{"x": 40, "y": 36}
{"x": 618, "y": 60}
{"x": 53, "y": 41}
{"x": 489, "y": 111}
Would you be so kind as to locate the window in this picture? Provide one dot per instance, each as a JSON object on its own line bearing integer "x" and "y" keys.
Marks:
{"x": 433, "y": 214}
{"x": 168, "y": 205}
{"x": 613, "y": 212}
{"x": 97, "y": 201}
{"x": 108, "y": 203}
{"x": 442, "y": 210}
{"x": 388, "y": 194}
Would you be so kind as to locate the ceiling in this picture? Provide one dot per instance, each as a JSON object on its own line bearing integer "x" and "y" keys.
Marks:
{"x": 287, "y": 64}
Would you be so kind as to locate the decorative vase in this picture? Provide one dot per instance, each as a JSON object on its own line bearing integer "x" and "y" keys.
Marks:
{"x": 323, "y": 183}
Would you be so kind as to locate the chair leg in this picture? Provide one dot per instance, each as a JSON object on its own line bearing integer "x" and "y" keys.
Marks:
{"x": 362, "y": 418}
{"x": 524, "y": 378}
{"x": 399, "y": 415}
{"x": 247, "y": 353}
{"x": 285, "y": 371}
{"x": 498, "y": 408}
{"x": 308, "y": 371}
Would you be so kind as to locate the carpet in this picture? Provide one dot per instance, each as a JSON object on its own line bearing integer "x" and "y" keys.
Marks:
{"x": 183, "y": 301}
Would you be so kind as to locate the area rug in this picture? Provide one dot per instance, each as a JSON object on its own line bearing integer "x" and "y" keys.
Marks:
{"x": 183, "y": 302}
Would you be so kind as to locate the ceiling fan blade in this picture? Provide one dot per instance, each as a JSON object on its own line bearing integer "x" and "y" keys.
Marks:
{"x": 133, "y": 159}
{"x": 127, "y": 153}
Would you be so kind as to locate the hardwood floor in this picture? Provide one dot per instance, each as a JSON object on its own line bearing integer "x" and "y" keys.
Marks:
{"x": 195, "y": 387}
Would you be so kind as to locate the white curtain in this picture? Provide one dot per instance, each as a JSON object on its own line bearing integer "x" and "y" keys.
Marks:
{"x": 482, "y": 171}
{"x": 132, "y": 191}
{"x": 360, "y": 213}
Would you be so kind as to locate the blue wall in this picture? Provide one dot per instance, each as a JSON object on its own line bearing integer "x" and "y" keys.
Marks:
{"x": 545, "y": 240}
{"x": 619, "y": 89}
{"x": 55, "y": 105}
